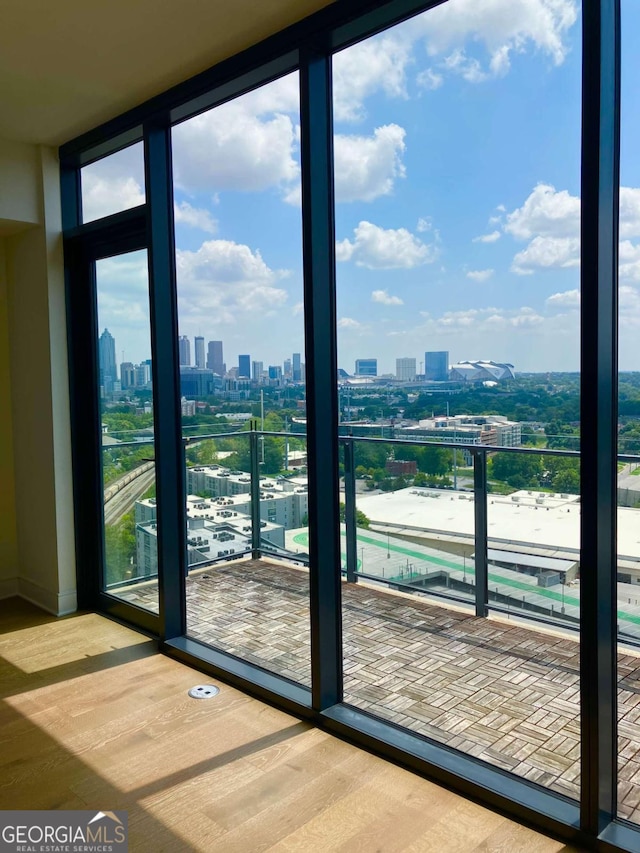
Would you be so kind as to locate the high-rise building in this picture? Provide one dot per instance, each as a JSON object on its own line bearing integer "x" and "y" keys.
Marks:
{"x": 286, "y": 369}
{"x": 436, "y": 366}
{"x": 215, "y": 359}
{"x": 275, "y": 372}
{"x": 127, "y": 375}
{"x": 256, "y": 371}
{"x": 142, "y": 374}
{"x": 296, "y": 372}
{"x": 107, "y": 360}
{"x": 366, "y": 367}
{"x": 244, "y": 366}
{"x": 184, "y": 347}
{"x": 406, "y": 369}
{"x": 199, "y": 351}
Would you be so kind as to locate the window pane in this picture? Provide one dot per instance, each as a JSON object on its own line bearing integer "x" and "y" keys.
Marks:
{"x": 457, "y": 180}
{"x": 628, "y": 579}
{"x": 113, "y": 184}
{"x": 126, "y": 407}
{"x": 239, "y": 263}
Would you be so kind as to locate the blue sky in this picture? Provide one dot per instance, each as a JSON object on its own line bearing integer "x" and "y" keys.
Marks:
{"x": 457, "y": 150}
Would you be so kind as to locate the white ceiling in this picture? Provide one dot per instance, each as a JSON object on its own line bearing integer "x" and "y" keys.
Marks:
{"x": 69, "y": 65}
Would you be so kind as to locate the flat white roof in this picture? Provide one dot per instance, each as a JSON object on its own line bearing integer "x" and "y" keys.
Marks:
{"x": 534, "y": 519}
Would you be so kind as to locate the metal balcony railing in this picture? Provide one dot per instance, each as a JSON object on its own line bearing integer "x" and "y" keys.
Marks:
{"x": 480, "y": 586}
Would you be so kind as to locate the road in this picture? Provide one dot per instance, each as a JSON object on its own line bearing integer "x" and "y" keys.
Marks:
{"x": 122, "y": 502}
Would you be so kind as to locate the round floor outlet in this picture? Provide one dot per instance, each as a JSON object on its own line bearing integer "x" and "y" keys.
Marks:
{"x": 204, "y": 691}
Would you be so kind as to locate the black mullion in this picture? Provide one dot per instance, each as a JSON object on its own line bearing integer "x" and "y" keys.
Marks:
{"x": 321, "y": 376}
{"x": 598, "y": 409}
{"x": 86, "y": 444}
{"x": 70, "y": 197}
{"x": 170, "y": 474}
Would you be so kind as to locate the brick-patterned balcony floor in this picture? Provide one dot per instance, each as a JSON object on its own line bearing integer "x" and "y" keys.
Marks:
{"x": 503, "y": 692}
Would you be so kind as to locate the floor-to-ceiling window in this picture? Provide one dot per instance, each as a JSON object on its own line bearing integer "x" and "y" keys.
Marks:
{"x": 422, "y": 538}
{"x": 236, "y": 181}
{"x": 628, "y": 485}
{"x": 457, "y": 187}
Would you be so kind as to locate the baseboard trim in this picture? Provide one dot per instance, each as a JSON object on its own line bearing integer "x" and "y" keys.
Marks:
{"x": 59, "y": 604}
{"x": 9, "y": 588}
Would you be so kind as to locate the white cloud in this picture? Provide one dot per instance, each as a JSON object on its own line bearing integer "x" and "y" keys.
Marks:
{"x": 384, "y": 298}
{"x": 547, "y": 213}
{"x": 468, "y": 39}
{"x": 123, "y": 303}
{"x": 429, "y": 79}
{"x": 385, "y": 248}
{"x": 348, "y": 323}
{"x": 501, "y": 27}
{"x": 489, "y": 319}
{"x": 226, "y": 279}
{"x": 547, "y": 252}
{"x": 464, "y": 66}
{"x": 550, "y": 220}
{"x": 424, "y": 224}
{"x": 233, "y": 147}
{"x": 629, "y": 212}
{"x": 366, "y": 167}
{"x": 102, "y": 196}
{"x": 488, "y": 238}
{"x": 377, "y": 64}
{"x": 566, "y": 299}
{"x": 480, "y": 275}
{"x": 629, "y": 259}
{"x": 195, "y": 217}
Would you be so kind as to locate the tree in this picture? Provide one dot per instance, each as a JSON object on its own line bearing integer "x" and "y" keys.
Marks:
{"x": 361, "y": 519}
{"x": 120, "y": 549}
{"x": 517, "y": 469}
{"x": 567, "y": 481}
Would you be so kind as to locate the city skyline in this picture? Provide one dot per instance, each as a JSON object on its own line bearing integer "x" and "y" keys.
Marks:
{"x": 457, "y": 183}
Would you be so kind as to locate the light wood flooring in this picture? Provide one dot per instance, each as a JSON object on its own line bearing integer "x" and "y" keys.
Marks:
{"x": 92, "y": 717}
{"x": 504, "y": 692}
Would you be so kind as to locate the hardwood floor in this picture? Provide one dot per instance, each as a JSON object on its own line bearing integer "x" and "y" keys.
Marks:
{"x": 92, "y": 717}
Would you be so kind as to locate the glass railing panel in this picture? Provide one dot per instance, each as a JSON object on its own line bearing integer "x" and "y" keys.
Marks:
{"x": 403, "y": 507}
{"x": 534, "y": 536}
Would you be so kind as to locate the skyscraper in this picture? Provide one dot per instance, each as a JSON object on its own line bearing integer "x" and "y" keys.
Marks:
{"x": 297, "y": 369}
{"x": 406, "y": 369}
{"x": 286, "y": 368}
{"x": 366, "y": 367}
{"x": 215, "y": 360}
{"x": 436, "y": 366}
{"x": 107, "y": 360}
{"x": 127, "y": 375}
{"x": 244, "y": 366}
{"x": 199, "y": 348}
{"x": 256, "y": 371}
{"x": 184, "y": 350}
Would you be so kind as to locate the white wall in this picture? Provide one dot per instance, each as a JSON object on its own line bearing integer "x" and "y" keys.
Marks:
{"x": 37, "y": 419}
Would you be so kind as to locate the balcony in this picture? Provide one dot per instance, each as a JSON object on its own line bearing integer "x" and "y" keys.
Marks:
{"x": 443, "y": 634}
